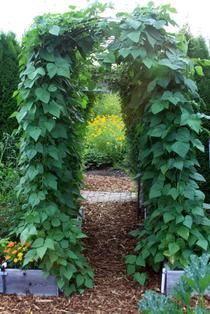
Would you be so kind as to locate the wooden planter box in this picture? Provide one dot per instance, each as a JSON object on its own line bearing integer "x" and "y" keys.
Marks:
{"x": 170, "y": 278}
{"x": 27, "y": 282}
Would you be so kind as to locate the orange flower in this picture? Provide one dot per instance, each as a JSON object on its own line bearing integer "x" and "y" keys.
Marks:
{"x": 7, "y": 257}
{"x": 11, "y": 244}
{"x": 14, "y": 252}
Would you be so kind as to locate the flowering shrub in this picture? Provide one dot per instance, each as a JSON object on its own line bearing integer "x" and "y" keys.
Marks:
{"x": 14, "y": 253}
{"x": 105, "y": 140}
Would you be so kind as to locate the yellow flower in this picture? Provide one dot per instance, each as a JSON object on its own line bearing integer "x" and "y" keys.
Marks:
{"x": 108, "y": 143}
{"x": 7, "y": 257}
{"x": 20, "y": 255}
{"x": 15, "y": 260}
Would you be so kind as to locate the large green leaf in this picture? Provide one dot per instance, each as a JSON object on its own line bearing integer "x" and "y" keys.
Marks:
{"x": 42, "y": 94}
{"x": 181, "y": 148}
{"x": 134, "y": 36}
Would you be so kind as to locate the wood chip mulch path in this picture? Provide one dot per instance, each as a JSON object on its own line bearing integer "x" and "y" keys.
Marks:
{"x": 107, "y": 226}
{"x": 109, "y": 183}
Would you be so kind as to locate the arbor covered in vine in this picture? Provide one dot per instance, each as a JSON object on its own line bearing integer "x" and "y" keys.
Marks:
{"x": 158, "y": 94}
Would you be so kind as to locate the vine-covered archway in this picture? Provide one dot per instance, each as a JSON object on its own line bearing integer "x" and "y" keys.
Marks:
{"x": 153, "y": 76}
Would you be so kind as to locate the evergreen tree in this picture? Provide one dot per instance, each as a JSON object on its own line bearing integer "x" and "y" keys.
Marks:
{"x": 9, "y": 76}
{"x": 197, "y": 48}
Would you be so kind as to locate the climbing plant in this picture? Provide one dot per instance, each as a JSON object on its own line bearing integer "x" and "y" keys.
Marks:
{"x": 160, "y": 104}
{"x": 53, "y": 97}
{"x": 158, "y": 94}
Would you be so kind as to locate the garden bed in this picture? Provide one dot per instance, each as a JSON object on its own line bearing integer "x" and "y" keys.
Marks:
{"x": 27, "y": 282}
{"x": 170, "y": 278}
{"x": 107, "y": 226}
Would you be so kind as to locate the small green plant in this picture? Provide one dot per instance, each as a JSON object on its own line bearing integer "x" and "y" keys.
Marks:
{"x": 196, "y": 279}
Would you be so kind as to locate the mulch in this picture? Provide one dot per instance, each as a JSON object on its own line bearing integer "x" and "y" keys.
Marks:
{"x": 107, "y": 226}
{"x": 108, "y": 183}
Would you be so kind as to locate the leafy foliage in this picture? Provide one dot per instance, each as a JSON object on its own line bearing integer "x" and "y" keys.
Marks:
{"x": 105, "y": 141}
{"x": 198, "y": 50}
{"x": 9, "y": 176}
{"x": 9, "y": 51}
{"x": 53, "y": 96}
{"x": 160, "y": 109}
{"x": 106, "y": 104}
{"x": 159, "y": 105}
{"x": 196, "y": 279}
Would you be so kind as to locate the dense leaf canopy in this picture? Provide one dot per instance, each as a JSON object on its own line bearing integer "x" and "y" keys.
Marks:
{"x": 158, "y": 94}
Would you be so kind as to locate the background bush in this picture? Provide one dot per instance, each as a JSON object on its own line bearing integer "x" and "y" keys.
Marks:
{"x": 197, "y": 48}
{"x": 9, "y": 76}
{"x": 106, "y": 104}
{"x": 9, "y": 178}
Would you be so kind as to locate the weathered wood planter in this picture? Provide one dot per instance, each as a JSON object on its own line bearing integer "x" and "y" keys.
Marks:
{"x": 27, "y": 282}
{"x": 170, "y": 278}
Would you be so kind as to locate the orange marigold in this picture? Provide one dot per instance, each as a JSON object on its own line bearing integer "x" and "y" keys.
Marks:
{"x": 11, "y": 244}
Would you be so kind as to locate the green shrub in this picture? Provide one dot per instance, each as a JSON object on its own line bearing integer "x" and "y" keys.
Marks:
{"x": 106, "y": 104}
{"x": 196, "y": 279}
{"x": 197, "y": 48}
{"x": 9, "y": 75}
{"x": 105, "y": 141}
{"x": 9, "y": 178}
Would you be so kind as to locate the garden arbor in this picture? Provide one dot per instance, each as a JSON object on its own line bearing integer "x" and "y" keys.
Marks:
{"x": 158, "y": 95}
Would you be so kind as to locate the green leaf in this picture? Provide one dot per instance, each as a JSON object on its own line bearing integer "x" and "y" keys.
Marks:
{"x": 168, "y": 217}
{"x": 140, "y": 278}
{"x": 183, "y": 232}
{"x": 54, "y": 30}
{"x": 181, "y": 148}
{"x": 41, "y": 251}
{"x": 51, "y": 70}
{"x": 55, "y": 222}
{"x": 34, "y": 132}
{"x": 140, "y": 261}
{"x": 50, "y": 181}
{"x": 158, "y": 107}
{"x": 42, "y": 94}
{"x": 124, "y": 52}
{"x": 53, "y": 108}
{"x": 38, "y": 243}
{"x": 65, "y": 244}
{"x": 89, "y": 283}
{"x": 49, "y": 243}
{"x": 173, "y": 248}
{"x": 183, "y": 135}
{"x": 131, "y": 259}
{"x": 188, "y": 221}
{"x": 198, "y": 144}
{"x": 131, "y": 269}
{"x": 134, "y": 36}
{"x": 179, "y": 218}
{"x": 79, "y": 280}
{"x": 159, "y": 257}
{"x": 199, "y": 70}
{"x": 203, "y": 244}
{"x": 198, "y": 211}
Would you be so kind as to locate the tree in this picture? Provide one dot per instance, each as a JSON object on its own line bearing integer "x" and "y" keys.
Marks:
{"x": 9, "y": 75}
{"x": 197, "y": 48}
